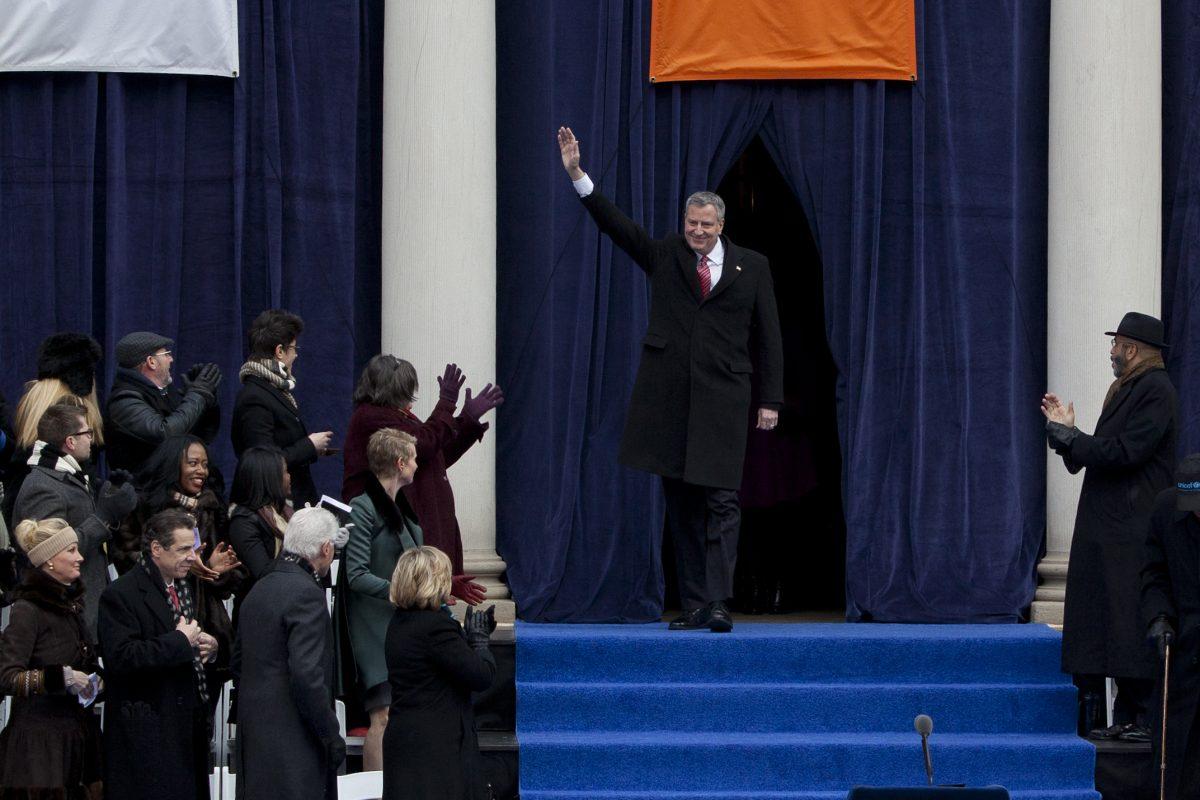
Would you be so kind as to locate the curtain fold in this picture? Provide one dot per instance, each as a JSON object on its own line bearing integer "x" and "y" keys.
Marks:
{"x": 927, "y": 202}
{"x": 187, "y": 205}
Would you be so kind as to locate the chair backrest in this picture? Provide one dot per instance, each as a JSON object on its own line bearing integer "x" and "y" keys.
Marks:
{"x": 360, "y": 786}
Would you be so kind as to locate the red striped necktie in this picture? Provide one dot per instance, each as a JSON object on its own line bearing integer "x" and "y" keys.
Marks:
{"x": 705, "y": 276}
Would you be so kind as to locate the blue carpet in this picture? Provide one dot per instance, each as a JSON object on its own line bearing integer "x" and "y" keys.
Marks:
{"x": 793, "y": 712}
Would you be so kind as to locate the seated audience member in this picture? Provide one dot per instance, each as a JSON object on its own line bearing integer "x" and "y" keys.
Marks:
{"x": 176, "y": 476}
{"x": 66, "y": 373}
{"x": 383, "y": 528}
{"x": 146, "y": 405}
{"x": 430, "y": 748}
{"x": 288, "y": 735}
{"x": 51, "y": 745}
{"x": 384, "y": 399}
{"x": 57, "y": 486}
{"x": 260, "y": 514}
{"x": 155, "y": 654}
{"x": 266, "y": 412}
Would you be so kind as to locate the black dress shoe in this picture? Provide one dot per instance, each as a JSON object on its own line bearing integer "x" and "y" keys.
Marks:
{"x": 693, "y": 620}
{"x": 1105, "y": 734}
{"x": 1134, "y": 733}
{"x": 719, "y": 620}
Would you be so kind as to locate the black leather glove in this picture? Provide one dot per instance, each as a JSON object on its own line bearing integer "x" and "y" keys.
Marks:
{"x": 1162, "y": 634}
{"x": 450, "y": 382}
{"x": 336, "y": 750}
{"x": 489, "y": 397}
{"x": 1060, "y": 436}
{"x": 479, "y": 625}
{"x": 116, "y": 500}
{"x": 208, "y": 378}
{"x": 120, "y": 477}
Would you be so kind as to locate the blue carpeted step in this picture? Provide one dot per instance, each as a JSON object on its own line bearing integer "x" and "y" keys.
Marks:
{"x": 805, "y": 707}
{"x": 704, "y": 762}
{"x": 591, "y": 794}
{"x": 790, "y": 654}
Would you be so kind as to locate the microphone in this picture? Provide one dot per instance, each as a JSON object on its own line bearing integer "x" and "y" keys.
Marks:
{"x": 924, "y": 725}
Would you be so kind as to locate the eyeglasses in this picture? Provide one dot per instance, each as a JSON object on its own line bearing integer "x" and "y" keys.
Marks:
{"x": 163, "y": 353}
{"x": 91, "y": 434}
{"x": 1119, "y": 343}
{"x": 293, "y": 348}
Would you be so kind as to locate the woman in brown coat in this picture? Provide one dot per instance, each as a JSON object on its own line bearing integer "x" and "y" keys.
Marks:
{"x": 51, "y": 746}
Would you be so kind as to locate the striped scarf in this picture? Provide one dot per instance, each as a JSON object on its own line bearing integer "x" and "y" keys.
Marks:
{"x": 273, "y": 373}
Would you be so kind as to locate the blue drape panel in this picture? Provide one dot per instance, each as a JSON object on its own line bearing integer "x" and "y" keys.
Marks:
{"x": 927, "y": 202}
{"x": 1181, "y": 210}
{"x": 187, "y": 205}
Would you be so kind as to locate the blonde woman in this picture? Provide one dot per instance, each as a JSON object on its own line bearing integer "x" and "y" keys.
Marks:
{"x": 51, "y": 746}
{"x": 430, "y": 751}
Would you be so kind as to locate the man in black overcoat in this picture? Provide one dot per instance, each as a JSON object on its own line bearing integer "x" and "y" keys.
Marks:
{"x": 1171, "y": 608}
{"x": 712, "y": 306}
{"x": 155, "y": 726}
{"x": 1128, "y": 461}
{"x": 288, "y": 737}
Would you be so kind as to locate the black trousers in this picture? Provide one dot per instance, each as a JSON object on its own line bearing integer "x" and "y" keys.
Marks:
{"x": 703, "y": 522}
{"x": 1132, "y": 701}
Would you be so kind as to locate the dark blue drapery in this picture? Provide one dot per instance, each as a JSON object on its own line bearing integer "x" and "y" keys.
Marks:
{"x": 187, "y": 205}
{"x": 928, "y": 205}
{"x": 1181, "y": 210}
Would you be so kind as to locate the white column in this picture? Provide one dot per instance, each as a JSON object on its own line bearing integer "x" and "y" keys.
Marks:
{"x": 439, "y": 226}
{"x": 1105, "y": 222}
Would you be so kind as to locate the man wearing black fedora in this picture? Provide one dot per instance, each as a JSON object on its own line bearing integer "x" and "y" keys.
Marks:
{"x": 1128, "y": 460}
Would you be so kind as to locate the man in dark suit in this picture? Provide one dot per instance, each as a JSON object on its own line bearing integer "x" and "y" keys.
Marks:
{"x": 266, "y": 412}
{"x": 712, "y": 305}
{"x": 155, "y": 726}
{"x": 283, "y": 658}
{"x": 1129, "y": 460}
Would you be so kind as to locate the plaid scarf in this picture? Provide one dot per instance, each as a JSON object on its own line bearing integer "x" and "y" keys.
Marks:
{"x": 1153, "y": 362}
{"x": 273, "y": 373}
{"x": 187, "y": 610}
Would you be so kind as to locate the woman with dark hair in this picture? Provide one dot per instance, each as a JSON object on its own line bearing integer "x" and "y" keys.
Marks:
{"x": 51, "y": 746}
{"x": 383, "y": 399}
{"x": 266, "y": 412}
{"x": 176, "y": 476}
{"x": 260, "y": 512}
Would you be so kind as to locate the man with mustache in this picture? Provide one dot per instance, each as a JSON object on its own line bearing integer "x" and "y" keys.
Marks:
{"x": 712, "y": 306}
{"x": 1129, "y": 460}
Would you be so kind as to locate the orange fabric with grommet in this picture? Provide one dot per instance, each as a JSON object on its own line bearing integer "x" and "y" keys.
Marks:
{"x": 709, "y": 40}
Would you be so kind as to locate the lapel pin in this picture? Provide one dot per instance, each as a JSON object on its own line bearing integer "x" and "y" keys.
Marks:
{"x": 738, "y": 267}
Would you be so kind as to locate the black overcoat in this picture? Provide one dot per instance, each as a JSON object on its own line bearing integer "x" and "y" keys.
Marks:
{"x": 284, "y": 661}
{"x": 263, "y": 416}
{"x": 1129, "y": 460}
{"x": 430, "y": 750}
{"x": 155, "y": 735}
{"x": 691, "y": 399}
{"x": 1171, "y": 587}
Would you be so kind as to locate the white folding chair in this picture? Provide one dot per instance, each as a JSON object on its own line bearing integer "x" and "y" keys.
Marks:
{"x": 360, "y": 786}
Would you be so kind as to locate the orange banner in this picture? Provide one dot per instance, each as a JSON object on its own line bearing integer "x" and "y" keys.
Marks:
{"x": 713, "y": 40}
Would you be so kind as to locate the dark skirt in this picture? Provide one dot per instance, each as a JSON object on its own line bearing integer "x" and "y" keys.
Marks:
{"x": 50, "y": 750}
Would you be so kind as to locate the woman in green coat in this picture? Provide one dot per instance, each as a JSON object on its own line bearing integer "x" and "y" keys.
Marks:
{"x": 384, "y": 527}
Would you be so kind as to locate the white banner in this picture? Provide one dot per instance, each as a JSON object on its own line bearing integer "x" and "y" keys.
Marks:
{"x": 189, "y": 37}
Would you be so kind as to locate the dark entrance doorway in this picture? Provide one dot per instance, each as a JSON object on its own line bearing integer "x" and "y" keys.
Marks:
{"x": 792, "y": 550}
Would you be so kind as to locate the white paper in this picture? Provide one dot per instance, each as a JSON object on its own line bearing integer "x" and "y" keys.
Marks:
{"x": 190, "y": 37}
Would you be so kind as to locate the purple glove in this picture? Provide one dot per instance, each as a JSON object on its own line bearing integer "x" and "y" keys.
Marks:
{"x": 489, "y": 398}
{"x": 464, "y": 588}
{"x": 450, "y": 383}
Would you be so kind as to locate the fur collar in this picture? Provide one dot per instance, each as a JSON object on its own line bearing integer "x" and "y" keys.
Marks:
{"x": 396, "y": 511}
{"x": 40, "y": 589}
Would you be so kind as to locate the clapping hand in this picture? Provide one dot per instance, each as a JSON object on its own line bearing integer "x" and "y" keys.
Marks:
{"x": 207, "y": 644}
{"x": 1054, "y": 410}
{"x": 464, "y": 588}
{"x": 479, "y": 626}
{"x": 223, "y": 559}
{"x": 189, "y": 628}
{"x": 489, "y": 397}
{"x": 450, "y": 382}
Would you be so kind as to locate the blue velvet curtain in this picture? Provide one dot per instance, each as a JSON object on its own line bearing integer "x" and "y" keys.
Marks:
{"x": 928, "y": 205}
{"x": 187, "y": 205}
{"x": 1181, "y": 211}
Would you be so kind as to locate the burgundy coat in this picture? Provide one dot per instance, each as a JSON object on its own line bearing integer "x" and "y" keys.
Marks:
{"x": 441, "y": 441}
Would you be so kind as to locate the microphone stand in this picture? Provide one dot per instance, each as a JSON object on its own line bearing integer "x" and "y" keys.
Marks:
{"x": 1162, "y": 764}
{"x": 928, "y": 760}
